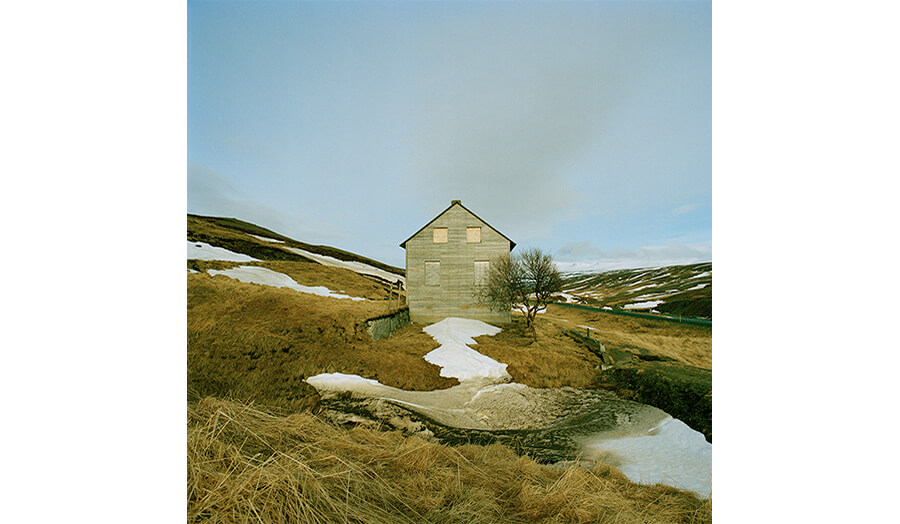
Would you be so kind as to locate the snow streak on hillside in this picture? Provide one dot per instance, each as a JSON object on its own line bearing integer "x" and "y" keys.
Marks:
{"x": 204, "y": 251}
{"x": 266, "y": 239}
{"x": 267, "y": 277}
{"x": 359, "y": 267}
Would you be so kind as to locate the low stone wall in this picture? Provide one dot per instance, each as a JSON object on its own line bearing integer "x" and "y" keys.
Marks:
{"x": 383, "y": 326}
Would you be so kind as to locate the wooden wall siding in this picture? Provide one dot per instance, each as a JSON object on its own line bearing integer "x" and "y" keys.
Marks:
{"x": 455, "y": 296}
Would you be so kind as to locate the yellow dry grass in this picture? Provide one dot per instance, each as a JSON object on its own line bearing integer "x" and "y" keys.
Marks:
{"x": 247, "y": 464}
{"x": 309, "y": 274}
{"x": 259, "y": 343}
{"x": 555, "y": 360}
{"x": 685, "y": 343}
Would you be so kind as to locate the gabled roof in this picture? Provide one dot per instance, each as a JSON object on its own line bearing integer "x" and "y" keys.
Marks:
{"x": 512, "y": 244}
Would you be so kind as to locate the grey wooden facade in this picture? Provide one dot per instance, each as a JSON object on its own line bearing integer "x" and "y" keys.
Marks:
{"x": 444, "y": 262}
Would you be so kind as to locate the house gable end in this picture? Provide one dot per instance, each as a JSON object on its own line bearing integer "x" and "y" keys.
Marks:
{"x": 512, "y": 244}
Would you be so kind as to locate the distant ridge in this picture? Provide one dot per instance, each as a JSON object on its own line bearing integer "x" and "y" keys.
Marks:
{"x": 677, "y": 290}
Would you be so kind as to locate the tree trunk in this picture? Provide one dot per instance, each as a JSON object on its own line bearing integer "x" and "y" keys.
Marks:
{"x": 530, "y": 318}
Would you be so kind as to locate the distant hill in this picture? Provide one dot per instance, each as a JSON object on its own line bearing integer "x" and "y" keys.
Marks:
{"x": 675, "y": 290}
{"x": 265, "y": 244}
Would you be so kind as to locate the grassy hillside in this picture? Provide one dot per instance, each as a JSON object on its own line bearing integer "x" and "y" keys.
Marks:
{"x": 234, "y": 234}
{"x": 258, "y": 343}
{"x": 676, "y": 290}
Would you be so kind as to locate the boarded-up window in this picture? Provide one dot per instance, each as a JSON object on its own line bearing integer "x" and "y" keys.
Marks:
{"x": 481, "y": 272}
{"x": 440, "y": 235}
{"x": 432, "y": 273}
{"x": 473, "y": 234}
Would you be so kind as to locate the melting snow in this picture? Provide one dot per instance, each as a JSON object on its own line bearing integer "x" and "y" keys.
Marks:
{"x": 341, "y": 382}
{"x": 267, "y": 277}
{"x": 359, "y": 267}
{"x": 643, "y": 305}
{"x": 454, "y": 356}
{"x": 204, "y": 251}
{"x": 671, "y": 454}
{"x": 266, "y": 239}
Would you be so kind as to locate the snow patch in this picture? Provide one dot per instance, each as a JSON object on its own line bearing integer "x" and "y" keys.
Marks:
{"x": 671, "y": 453}
{"x": 340, "y": 382}
{"x": 359, "y": 267}
{"x": 455, "y": 358}
{"x": 644, "y": 305}
{"x": 266, "y": 239}
{"x": 267, "y": 277}
{"x": 204, "y": 251}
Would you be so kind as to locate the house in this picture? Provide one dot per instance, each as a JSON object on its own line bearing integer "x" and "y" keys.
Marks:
{"x": 446, "y": 260}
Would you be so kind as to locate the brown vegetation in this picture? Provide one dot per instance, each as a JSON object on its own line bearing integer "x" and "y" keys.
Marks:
{"x": 689, "y": 344}
{"x": 247, "y": 464}
{"x": 554, "y": 360}
{"x": 259, "y": 343}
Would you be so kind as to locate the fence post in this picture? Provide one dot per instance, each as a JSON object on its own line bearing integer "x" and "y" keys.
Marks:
{"x": 390, "y": 296}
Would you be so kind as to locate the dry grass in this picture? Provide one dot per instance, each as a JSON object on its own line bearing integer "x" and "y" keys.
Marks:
{"x": 247, "y": 464}
{"x": 309, "y": 274}
{"x": 555, "y": 360}
{"x": 689, "y": 344}
{"x": 259, "y": 342}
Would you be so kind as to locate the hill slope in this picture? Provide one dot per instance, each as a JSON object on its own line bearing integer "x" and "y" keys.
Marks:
{"x": 676, "y": 290}
{"x": 264, "y": 244}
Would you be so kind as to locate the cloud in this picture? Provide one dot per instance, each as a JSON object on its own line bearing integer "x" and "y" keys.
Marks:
{"x": 503, "y": 126}
{"x": 581, "y": 256}
{"x": 212, "y": 193}
{"x": 686, "y": 208}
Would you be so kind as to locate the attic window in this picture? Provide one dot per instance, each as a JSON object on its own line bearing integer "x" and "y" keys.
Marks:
{"x": 473, "y": 235}
{"x": 440, "y": 235}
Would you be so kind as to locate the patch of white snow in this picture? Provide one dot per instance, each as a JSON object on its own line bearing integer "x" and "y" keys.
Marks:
{"x": 671, "y": 453}
{"x": 644, "y": 305}
{"x": 454, "y": 356}
{"x": 341, "y": 382}
{"x": 359, "y": 267}
{"x": 204, "y": 251}
{"x": 267, "y": 277}
{"x": 266, "y": 239}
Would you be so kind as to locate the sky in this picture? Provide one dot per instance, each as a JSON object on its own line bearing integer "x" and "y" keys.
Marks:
{"x": 580, "y": 128}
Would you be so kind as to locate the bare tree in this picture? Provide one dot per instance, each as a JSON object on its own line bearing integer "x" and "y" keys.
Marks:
{"x": 526, "y": 281}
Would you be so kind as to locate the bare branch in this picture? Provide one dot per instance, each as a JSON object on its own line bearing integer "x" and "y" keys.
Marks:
{"x": 526, "y": 281}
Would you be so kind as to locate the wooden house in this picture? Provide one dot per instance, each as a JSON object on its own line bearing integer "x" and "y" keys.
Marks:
{"x": 446, "y": 260}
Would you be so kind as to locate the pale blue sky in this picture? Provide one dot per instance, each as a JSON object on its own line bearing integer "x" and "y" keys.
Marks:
{"x": 582, "y": 128}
